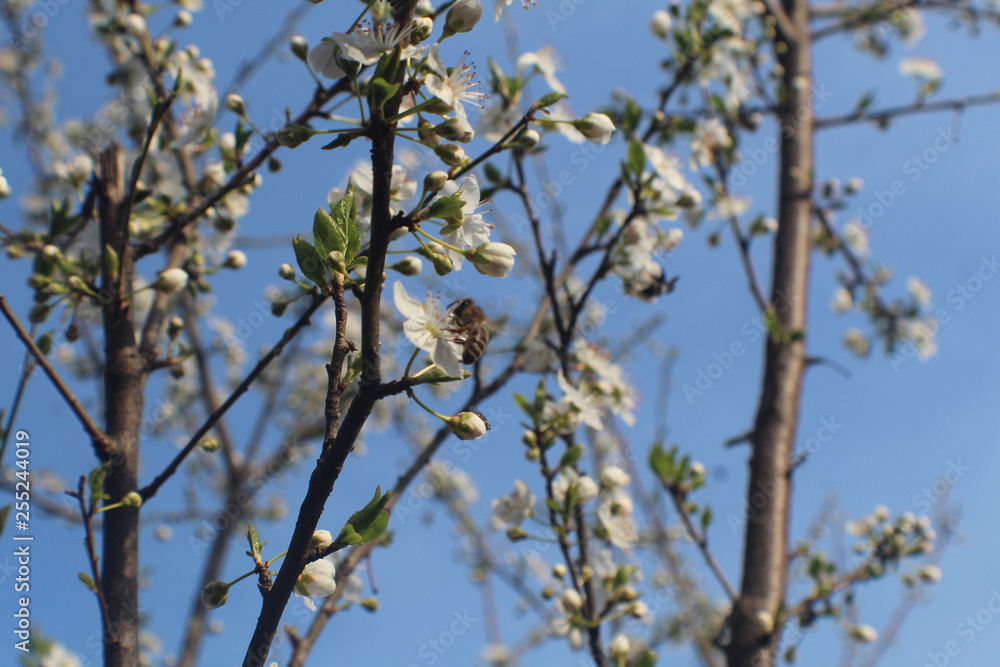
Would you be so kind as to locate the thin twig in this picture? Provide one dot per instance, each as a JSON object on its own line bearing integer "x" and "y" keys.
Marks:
{"x": 101, "y": 441}
{"x": 150, "y": 490}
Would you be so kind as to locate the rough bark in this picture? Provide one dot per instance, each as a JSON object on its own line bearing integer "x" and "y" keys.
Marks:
{"x": 339, "y": 438}
{"x": 765, "y": 560}
{"x": 124, "y": 380}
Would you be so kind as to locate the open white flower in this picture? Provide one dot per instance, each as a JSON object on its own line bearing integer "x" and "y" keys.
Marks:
{"x": 583, "y": 404}
{"x": 318, "y": 580}
{"x": 585, "y": 488}
{"x": 516, "y": 507}
{"x": 366, "y": 45}
{"x": 427, "y": 327}
{"x": 921, "y": 67}
{"x": 473, "y": 230}
{"x": 454, "y": 87}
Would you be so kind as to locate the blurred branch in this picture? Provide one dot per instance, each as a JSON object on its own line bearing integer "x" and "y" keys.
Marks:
{"x": 885, "y": 115}
{"x": 102, "y": 443}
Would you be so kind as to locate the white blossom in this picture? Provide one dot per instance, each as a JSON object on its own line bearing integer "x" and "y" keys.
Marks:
{"x": 318, "y": 579}
{"x": 516, "y": 507}
{"x": 427, "y": 327}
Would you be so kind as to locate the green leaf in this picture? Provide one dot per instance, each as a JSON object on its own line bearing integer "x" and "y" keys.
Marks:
{"x": 311, "y": 263}
{"x": 525, "y": 405}
{"x": 45, "y": 342}
{"x": 4, "y": 513}
{"x": 571, "y": 456}
{"x": 381, "y": 91}
{"x": 87, "y": 581}
{"x": 111, "y": 262}
{"x": 369, "y": 522}
{"x": 345, "y": 219}
{"x": 254, "y": 539}
{"x": 647, "y": 659}
{"x": 445, "y": 207}
{"x": 706, "y": 518}
{"x": 661, "y": 463}
{"x": 348, "y": 535}
{"x": 550, "y": 99}
{"x": 243, "y": 134}
{"x": 637, "y": 158}
{"x": 95, "y": 482}
{"x": 326, "y": 236}
{"x": 343, "y": 139}
{"x": 631, "y": 116}
{"x": 62, "y": 220}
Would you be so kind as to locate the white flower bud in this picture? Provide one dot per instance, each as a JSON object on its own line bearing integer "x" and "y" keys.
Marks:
{"x": 4, "y": 188}
{"x": 299, "y": 47}
{"x": 321, "y": 539}
{"x": 214, "y": 594}
{"x": 183, "y": 18}
{"x": 660, "y": 24}
{"x": 236, "y": 104}
{"x": 286, "y": 272}
{"x": 236, "y": 259}
{"x": 134, "y": 24}
{"x": 409, "y": 265}
{"x": 493, "y": 259}
{"x": 171, "y": 281}
{"x": 434, "y": 181}
{"x": 571, "y": 600}
{"x": 468, "y": 426}
{"x": 864, "y": 633}
{"x": 597, "y": 127}
{"x": 463, "y": 16}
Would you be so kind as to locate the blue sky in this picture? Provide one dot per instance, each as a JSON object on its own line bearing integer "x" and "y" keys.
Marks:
{"x": 903, "y": 425}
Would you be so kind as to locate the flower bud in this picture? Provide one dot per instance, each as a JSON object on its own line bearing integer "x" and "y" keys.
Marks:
{"x": 292, "y": 135}
{"x": 516, "y": 533}
{"x": 558, "y": 570}
{"x": 462, "y": 17}
{"x": 183, "y": 18}
{"x": 171, "y": 281}
{"x": 435, "y": 181}
{"x": 451, "y": 154}
{"x": 286, "y": 272}
{"x": 321, "y": 539}
{"x": 4, "y": 188}
{"x": 132, "y": 499}
{"x": 468, "y": 426}
{"x": 596, "y": 127}
{"x": 209, "y": 445}
{"x": 528, "y": 139}
{"x": 493, "y": 259}
{"x": 423, "y": 26}
{"x": 299, "y": 47}
{"x": 660, "y": 24}
{"x": 408, "y": 266}
{"x": 236, "y": 104}
{"x": 371, "y": 604}
{"x": 134, "y": 24}
{"x": 214, "y": 594}
{"x": 235, "y": 259}
{"x": 571, "y": 600}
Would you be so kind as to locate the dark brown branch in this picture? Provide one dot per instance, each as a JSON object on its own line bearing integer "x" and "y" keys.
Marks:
{"x": 150, "y": 489}
{"x": 102, "y": 444}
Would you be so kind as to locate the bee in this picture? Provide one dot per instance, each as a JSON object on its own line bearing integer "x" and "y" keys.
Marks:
{"x": 470, "y": 322}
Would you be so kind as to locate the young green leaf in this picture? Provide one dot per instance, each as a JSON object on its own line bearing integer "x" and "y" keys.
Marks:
{"x": 310, "y": 262}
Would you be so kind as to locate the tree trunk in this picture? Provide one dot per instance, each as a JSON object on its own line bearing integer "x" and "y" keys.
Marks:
{"x": 124, "y": 380}
{"x": 754, "y": 641}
